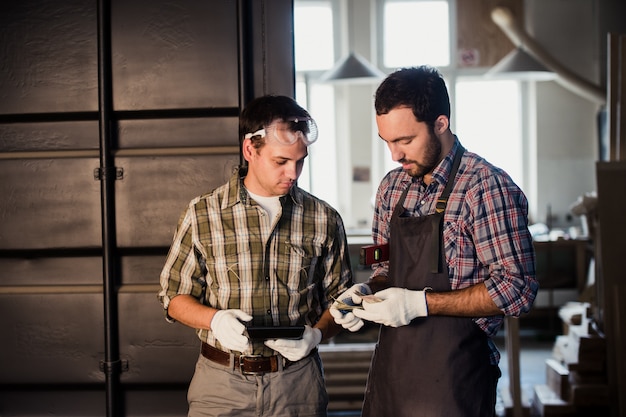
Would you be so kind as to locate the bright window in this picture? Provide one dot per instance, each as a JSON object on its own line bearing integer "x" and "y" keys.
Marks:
{"x": 488, "y": 122}
{"x": 416, "y": 33}
{"x": 313, "y": 34}
{"x": 486, "y": 114}
{"x": 314, "y": 53}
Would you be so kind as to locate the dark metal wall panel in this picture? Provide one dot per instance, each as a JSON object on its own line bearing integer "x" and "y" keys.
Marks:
{"x": 49, "y": 203}
{"x": 272, "y": 31}
{"x": 143, "y": 267}
{"x": 51, "y": 136}
{"x": 157, "y": 352}
{"x": 156, "y": 403}
{"x": 55, "y": 401}
{"x": 63, "y": 401}
{"x": 49, "y": 60}
{"x": 36, "y": 268}
{"x": 56, "y": 343}
{"x": 54, "y": 338}
{"x": 181, "y": 71}
{"x": 179, "y": 54}
{"x": 156, "y": 190}
{"x": 175, "y": 132}
{"x": 72, "y": 402}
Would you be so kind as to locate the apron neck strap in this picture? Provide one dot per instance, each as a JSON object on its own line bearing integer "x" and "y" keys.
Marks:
{"x": 442, "y": 202}
{"x": 443, "y": 198}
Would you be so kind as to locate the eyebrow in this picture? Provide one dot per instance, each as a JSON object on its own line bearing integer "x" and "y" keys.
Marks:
{"x": 397, "y": 139}
{"x": 284, "y": 158}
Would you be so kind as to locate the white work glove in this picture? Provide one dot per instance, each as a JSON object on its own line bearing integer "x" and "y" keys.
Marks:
{"x": 228, "y": 328}
{"x": 396, "y": 307}
{"x": 296, "y": 349}
{"x": 345, "y": 317}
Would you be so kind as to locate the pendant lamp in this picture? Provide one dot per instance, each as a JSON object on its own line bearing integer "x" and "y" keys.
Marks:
{"x": 518, "y": 64}
{"x": 353, "y": 69}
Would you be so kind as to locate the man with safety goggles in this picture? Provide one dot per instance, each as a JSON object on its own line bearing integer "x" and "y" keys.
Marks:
{"x": 288, "y": 131}
{"x": 259, "y": 255}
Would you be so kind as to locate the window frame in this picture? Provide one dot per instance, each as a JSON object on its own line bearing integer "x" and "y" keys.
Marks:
{"x": 378, "y": 161}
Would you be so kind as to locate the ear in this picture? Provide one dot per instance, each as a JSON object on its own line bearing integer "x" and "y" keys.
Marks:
{"x": 247, "y": 149}
{"x": 441, "y": 124}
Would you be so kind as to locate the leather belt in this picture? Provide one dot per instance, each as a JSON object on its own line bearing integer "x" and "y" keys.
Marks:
{"x": 247, "y": 364}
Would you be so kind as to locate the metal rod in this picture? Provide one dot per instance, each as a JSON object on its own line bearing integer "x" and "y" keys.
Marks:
{"x": 111, "y": 365}
{"x": 245, "y": 45}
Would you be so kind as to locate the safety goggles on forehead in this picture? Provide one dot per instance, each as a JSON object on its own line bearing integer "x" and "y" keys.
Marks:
{"x": 288, "y": 131}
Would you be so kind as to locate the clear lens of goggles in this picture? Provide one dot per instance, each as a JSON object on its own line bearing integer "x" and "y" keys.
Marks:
{"x": 287, "y": 132}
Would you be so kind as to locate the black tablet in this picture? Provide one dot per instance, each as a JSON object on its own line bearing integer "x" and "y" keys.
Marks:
{"x": 275, "y": 332}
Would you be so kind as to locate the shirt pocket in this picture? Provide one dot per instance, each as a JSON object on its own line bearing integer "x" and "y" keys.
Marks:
{"x": 304, "y": 264}
{"x": 227, "y": 263}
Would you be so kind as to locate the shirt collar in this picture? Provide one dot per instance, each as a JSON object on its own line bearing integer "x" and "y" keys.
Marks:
{"x": 237, "y": 193}
{"x": 441, "y": 173}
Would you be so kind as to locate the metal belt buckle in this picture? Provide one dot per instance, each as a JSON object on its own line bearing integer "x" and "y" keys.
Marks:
{"x": 252, "y": 357}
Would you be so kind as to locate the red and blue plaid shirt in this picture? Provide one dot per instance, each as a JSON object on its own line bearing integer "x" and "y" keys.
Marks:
{"x": 485, "y": 232}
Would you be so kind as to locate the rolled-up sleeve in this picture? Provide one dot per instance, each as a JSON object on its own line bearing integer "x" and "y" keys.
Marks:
{"x": 503, "y": 244}
{"x": 182, "y": 272}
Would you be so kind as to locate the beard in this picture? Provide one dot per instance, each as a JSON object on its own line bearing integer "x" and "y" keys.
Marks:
{"x": 430, "y": 159}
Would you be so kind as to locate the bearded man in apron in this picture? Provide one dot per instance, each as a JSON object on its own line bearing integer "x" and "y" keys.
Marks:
{"x": 460, "y": 259}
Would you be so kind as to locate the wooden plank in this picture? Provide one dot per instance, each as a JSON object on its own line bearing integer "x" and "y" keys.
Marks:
{"x": 512, "y": 352}
{"x": 621, "y": 101}
{"x": 619, "y": 371}
{"x": 611, "y": 176}
{"x": 590, "y": 394}
{"x": 616, "y": 96}
{"x": 507, "y": 403}
{"x": 557, "y": 378}
{"x": 612, "y": 93}
{"x": 547, "y": 403}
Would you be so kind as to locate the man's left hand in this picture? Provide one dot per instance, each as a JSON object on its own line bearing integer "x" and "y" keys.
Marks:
{"x": 294, "y": 350}
{"x": 395, "y": 307}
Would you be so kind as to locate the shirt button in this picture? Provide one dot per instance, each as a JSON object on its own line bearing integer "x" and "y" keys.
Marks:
{"x": 268, "y": 312}
{"x": 423, "y": 202}
{"x": 267, "y": 278}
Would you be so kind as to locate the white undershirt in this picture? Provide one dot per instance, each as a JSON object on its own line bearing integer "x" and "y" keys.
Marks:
{"x": 269, "y": 204}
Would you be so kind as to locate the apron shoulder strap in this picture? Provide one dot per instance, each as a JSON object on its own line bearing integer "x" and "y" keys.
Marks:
{"x": 437, "y": 218}
{"x": 443, "y": 198}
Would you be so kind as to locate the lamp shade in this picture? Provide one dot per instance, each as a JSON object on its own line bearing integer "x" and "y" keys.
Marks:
{"x": 352, "y": 69}
{"x": 518, "y": 64}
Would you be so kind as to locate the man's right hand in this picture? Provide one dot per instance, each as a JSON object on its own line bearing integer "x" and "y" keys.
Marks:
{"x": 228, "y": 328}
{"x": 345, "y": 317}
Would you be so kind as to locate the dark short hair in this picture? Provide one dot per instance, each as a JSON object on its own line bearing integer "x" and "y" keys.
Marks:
{"x": 262, "y": 111}
{"x": 422, "y": 89}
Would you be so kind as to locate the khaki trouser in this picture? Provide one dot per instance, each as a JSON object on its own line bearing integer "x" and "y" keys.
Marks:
{"x": 299, "y": 390}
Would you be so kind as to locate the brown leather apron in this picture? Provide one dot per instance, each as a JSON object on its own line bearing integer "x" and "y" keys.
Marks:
{"x": 437, "y": 366}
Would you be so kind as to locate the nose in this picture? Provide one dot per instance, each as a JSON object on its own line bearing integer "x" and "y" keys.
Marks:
{"x": 291, "y": 171}
{"x": 396, "y": 153}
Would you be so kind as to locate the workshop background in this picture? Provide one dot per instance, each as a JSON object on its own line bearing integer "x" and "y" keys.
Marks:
{"x": 113, "y": 115}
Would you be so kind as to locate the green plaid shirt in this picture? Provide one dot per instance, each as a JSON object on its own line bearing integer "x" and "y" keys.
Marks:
{"x": 227, "y": 253}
